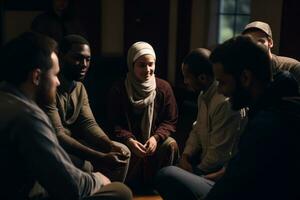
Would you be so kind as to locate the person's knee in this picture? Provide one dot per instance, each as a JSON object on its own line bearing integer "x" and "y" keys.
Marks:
{"x": 122, "y": 191}
{"x": 170, "y": 149}
{"x": 112, "y": 191}
{"x": 173, "y": 147}
{"x": 87, "y": 166}
{"x": 171, "y": 144}
{"x": 165, "y": 174}
{"x": 124, "y": 148}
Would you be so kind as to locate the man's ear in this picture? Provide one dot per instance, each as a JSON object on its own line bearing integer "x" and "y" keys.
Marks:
{"x": 202, "y": 77}
{"x": 36, "y": 76}
{"x": 246, "y": 78}
{"x": 270, "y": 41}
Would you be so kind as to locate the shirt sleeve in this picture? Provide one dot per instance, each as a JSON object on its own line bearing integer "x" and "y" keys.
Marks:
{"x": 225, "y": 128}
{"x": 70, "y": 144}
{"x": 49, "y": 163}
{"x": 118, "y": 121}
{"x": 86, "y": 123}
{"x": 170, "y": 117}
{"x": 193, "y": 145}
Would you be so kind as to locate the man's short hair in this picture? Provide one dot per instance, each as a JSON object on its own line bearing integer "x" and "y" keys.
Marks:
{"x": 258, "y": 25}
{"x": 25, "y": 53}
{"x": 66, "y": 43}
{"x": 241, "y": 53}
{"x": 198, "y": 62}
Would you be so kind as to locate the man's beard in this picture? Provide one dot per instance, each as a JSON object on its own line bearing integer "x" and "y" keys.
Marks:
{"x": 45, "y": 95}
{"x": 240, "y": 98}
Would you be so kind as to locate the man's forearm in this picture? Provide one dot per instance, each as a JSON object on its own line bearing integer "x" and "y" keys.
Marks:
{"x": 76, "y": 148}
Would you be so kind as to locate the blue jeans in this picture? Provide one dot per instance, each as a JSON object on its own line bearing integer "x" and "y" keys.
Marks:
{"x": 175, "y": 183}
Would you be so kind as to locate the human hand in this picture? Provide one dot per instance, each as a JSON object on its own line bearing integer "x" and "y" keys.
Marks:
{"x": 215, "y": 176}
{"x": 123, "y": 154}
{"x": 136, "y": 147}
{"x": 150, "y": 145}
{"x": 112, "y": 159}
{"x": 102, "y": 178}
{"x": 185, "y": 164}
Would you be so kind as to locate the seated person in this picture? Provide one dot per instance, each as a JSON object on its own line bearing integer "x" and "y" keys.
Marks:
{"x": 268, "y": 143}
{"x": 142, "y": 114}
{"x": 59, "y": 21}
{"x": 213, "y": 138}
{"x": 261, "y": 33}
{"x": 29, "y": 147}
{"x": 73, "y": 120}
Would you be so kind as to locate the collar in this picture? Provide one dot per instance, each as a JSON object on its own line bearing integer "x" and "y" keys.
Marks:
{"x": 210, "y": 92}
{"x": 66, "y": 85}
{"x": 9, "y": 88}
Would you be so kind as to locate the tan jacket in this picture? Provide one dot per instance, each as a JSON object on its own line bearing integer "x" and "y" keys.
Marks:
{"x": 216, "y": 131}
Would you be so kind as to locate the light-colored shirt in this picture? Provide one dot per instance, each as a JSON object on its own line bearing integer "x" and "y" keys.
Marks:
{"x": 215, "y": 134}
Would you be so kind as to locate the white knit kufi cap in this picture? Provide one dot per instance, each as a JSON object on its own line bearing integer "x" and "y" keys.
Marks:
{"x": 138, "y": 49}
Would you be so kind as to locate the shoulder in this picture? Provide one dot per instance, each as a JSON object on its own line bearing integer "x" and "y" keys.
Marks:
{"x": 285, "y": 63}
{"x": 43, "y": 17}
{"x": 223, "y": 107}
{"x": 30, "y": 114}
{"x": 79, "y": 86}
{"x": 162, "y": 85}
{"x": 284, "y": 84}
{"x": 18, "y": 110}
{"x": 286, "y": 59}
{"x": 219, "y": 102}
{"x": 265, "y": 124}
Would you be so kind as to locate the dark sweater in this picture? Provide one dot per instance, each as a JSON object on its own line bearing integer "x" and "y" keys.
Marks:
{"x": 266, "y": 165}
{"x": 121, "y": 113}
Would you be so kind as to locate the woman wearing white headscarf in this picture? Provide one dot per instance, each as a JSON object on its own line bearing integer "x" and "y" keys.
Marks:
{"x": 143, "y": 113}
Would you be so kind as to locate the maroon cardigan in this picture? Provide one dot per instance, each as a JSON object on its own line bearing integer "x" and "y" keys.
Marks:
{"x": 164, "y": 117}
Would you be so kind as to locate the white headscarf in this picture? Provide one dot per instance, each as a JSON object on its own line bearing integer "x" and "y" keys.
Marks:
{"x": 141, "y": 94}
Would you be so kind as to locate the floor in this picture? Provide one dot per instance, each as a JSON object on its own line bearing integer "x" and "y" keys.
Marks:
{"x": 147, "y": 197}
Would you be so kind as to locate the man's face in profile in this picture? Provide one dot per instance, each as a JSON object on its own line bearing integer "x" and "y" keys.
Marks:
{"x": 231, "y": 87}
{"x": 46, "y": 92}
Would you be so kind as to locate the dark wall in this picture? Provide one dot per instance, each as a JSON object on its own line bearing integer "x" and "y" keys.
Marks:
{"x": 290, "y": 29}
{"x": 103, "y": 73}
{"x": 26, "y": 5}
{"x": 89, "y": 13}
{"x": 183, "y": 37}
{"x": 149, "y": 23}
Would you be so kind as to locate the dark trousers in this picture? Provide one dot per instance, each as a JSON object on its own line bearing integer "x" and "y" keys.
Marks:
{"x": 174, "y": 183}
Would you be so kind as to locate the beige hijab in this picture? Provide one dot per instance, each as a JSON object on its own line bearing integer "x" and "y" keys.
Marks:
{"x": 141, "y": 95}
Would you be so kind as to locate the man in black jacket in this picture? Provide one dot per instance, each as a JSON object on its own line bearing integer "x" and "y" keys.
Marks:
{"x": 265, "y": 163}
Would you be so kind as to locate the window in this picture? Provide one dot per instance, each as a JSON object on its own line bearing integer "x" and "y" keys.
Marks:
{"x": 233, "y": 16}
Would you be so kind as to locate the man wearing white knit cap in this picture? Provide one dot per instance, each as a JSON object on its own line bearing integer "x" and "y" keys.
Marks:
{"x": 143, "y": 113}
